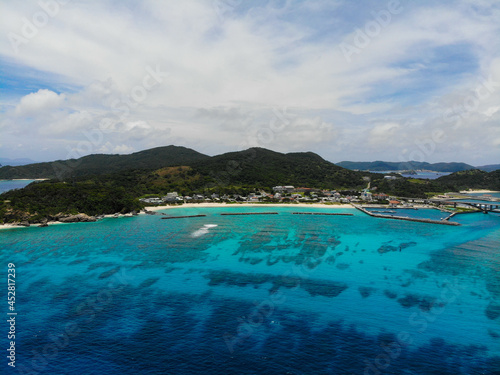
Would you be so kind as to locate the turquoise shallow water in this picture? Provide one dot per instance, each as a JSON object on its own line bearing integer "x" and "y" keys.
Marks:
{"x": 263, "y": 294}
{"x": 421, "y": 213}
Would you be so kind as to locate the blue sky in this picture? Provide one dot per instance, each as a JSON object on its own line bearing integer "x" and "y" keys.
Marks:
{"x": 362, "y": 80}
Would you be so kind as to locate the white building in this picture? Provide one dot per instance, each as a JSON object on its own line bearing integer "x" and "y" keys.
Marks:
{"x": 171, "y": 197}
{"x": 366, "y": 195}
{"x": 152, "y": 200}
{"x": 283, "y": 189}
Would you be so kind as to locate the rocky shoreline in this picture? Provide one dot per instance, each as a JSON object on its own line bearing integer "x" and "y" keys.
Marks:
{"x": 63, "y": 218}
{"x": 27, "y": 219}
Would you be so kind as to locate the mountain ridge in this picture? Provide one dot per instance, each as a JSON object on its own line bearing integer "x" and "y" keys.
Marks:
{"x": 96, "y": 164}
{"x": 165, "y": 156}
{"x": 270, "y": 168}
{"x": 247, "y": 167}
{"x": 489, "y": 167}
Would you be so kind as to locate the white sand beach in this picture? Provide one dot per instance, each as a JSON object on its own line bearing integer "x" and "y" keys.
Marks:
{"x": 191, "y": 205}
{"x": 478, "y": 191}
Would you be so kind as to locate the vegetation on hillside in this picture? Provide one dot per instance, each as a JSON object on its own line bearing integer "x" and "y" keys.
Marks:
{"x": 264, "y": 169}
{"x": 489, "y": 167}
{"x": 473, "y": 179}
{"x": 412, "y": 188}
{"x": 103, "y": 164}
{"x": 46, "y": 199}
{"x": 232, "y": 173}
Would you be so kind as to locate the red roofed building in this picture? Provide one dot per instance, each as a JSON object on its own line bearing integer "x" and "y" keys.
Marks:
{"x": 394, "y": 203}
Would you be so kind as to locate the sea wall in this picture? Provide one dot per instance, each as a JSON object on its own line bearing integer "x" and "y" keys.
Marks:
{"x": 428, "y": 221}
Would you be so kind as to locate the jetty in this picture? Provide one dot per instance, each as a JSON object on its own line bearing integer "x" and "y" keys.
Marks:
{"x": 247, "y": 213}
{"x": 322, "y": 213}
{"x": 418, "y": 220}
{"x": 181, "y": 217}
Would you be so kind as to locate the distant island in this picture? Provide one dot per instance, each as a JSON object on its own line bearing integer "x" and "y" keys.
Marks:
{"x": 15, "y": 162}
{"x": 413, "y": 166}
{"x": 108, "y": 184}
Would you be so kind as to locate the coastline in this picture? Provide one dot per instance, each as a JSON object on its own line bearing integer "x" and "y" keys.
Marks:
{"x": 14, "y": 226}
{"x": 26, "y": 179}
{"x": 193, "y": 205}
{"x": 478, "y": 191}
{"x": 207, "y": 205}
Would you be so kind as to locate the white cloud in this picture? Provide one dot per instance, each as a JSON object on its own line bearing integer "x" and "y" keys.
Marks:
{"x": 383, "y": 135}
{"x": 67, "y": 123}
{"x": 228, "y": 70}
{"x": 109, "y": 148}
{"x": 39, "y": 101}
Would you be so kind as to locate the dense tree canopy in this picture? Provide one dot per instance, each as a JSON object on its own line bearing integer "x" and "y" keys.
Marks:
{"x": 232, "y": 173}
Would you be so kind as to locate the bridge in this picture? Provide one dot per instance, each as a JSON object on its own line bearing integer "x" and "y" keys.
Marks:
{"x": 484, "y": 207}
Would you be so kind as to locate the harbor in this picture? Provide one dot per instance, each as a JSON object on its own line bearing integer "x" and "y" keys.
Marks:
{"x": 419, "y": 220}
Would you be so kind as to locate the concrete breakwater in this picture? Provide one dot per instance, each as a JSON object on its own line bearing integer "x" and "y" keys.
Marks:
{"x": 248, "y": 213}
{"x": 461, "y": 213}
{"x": 181, "y": 217}
{"x": 428, "y": 221}
{"x": 322, "y": 213}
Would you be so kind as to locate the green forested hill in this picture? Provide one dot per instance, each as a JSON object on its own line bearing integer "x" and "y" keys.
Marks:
{"x": 166, "y": 169}
{"x": 265, "y": 168}
{"x": 489, "y": 167}
{"x": 102, "y": 164}
{"x": 235, "y": 172}
{"x": 473, "y": 179}
{"x": 45, "y": 199}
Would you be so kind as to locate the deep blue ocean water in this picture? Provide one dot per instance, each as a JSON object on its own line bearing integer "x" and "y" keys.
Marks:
{"x": 263, "y": 294}
{"x": 6, "y": 185}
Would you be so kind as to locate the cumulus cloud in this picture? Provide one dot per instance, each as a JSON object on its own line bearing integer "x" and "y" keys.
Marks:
{"x": 39, "y": 101}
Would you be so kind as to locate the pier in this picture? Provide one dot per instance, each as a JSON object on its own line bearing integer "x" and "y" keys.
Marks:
{"x": 428, "y": 221}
